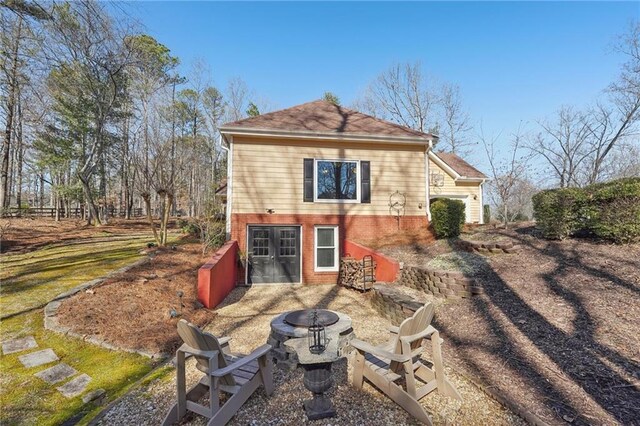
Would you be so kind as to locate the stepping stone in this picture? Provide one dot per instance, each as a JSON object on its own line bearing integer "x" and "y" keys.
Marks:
{"x": 35, "y": 359}
{"x": 57, "y": 373}
{"x": 95, "y": 395}
{"x": 75, "y": 387}
{"x": 18, "y": 345}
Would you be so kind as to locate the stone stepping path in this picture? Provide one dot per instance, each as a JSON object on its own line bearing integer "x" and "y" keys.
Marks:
{"x": 18, "y": 345}
{"x": 57, "y": 373}
{"x": 35, "y": 359}
{"x": 75, "y": 387}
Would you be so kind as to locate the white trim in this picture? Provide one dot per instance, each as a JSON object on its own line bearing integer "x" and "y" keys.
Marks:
{"x": 246, "y": 266}
{"x": 466, "y": 199}
{"x": 481, "y": 203}
{"x": 339, "y": 201}
{"x": 444, "y": 166}
{"x": 427, "y": 190}
{"x": 301, "y": 134}
{"x": 229, "y": 207}
{"x": 336, "y": 248}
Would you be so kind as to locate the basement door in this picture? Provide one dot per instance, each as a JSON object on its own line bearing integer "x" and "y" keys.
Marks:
{"x": 274, "y": 254}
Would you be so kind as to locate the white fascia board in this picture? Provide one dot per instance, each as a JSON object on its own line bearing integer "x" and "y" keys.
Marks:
{"x": 351, "y": 137}
{"x": 444, "y": 166}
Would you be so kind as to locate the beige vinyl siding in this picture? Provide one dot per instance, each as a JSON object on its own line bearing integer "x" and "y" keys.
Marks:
{"x": 268, "y": 174}
{"x": 451, "y": 187}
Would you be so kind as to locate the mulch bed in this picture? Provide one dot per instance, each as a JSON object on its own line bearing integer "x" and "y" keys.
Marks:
{"x": 556, "y": 330}
{"x": 132, "y": 310}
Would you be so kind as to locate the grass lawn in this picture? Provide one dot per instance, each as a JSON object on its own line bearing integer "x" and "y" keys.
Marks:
{"x": 26, "y": 399}
{"x": 32, "y": 279}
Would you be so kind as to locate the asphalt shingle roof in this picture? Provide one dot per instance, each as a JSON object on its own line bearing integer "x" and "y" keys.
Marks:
{"x": 325, "y": 117}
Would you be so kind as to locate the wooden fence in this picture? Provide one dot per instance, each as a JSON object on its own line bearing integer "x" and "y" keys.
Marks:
{"x": 77, "y": 212}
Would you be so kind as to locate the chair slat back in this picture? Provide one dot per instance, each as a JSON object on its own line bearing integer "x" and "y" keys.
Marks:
{"x": 197, "y": 339}
{"x": 419, "y": 322}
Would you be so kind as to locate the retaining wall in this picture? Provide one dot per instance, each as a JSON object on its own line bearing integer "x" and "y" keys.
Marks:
{"x": 447, "y": 284}
{"x": 218, "y": 276}
{"x": 387, "y": 269}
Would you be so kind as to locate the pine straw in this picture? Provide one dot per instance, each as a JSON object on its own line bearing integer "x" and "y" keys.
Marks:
{"x": 132, "y": 309}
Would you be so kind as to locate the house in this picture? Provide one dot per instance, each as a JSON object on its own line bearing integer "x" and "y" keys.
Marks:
{"x": 303, "y": 180}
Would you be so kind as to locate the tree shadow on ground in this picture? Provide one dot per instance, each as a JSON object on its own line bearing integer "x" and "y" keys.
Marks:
{"x": 582, "y": 360}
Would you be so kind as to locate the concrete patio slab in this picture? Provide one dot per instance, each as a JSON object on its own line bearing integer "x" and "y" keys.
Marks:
{"x": 35, "y": 359}
{"x": 75, "y": 387}
{"x": 18, "y": 345}
{"x": 57, "y": 373}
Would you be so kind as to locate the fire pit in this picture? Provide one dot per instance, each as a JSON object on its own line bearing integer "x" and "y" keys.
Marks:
{"x": 302, "y": 318}
{"x": 295, "y": 324}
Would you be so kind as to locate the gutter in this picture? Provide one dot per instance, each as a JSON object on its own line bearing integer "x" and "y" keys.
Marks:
{"x": 352, "y": 137}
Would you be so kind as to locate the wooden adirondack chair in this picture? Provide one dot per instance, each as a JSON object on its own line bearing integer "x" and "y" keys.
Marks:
{"x": 238, "y": 376}
{"x": 395, "y": 367}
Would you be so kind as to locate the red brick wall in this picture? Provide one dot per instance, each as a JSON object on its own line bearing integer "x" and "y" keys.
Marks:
{"x": 351, "y": 227}
{"x": 218, "y": 276}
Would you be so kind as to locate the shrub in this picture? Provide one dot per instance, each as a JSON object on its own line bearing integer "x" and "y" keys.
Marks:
{"x": 191, "y": 228}
{"x": 487, "y": 213}
{"x": 608, "y": 210}
{"x": 447, "y": 217}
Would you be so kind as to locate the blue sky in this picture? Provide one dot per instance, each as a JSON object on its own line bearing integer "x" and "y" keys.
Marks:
{"x": 513, "y": 61}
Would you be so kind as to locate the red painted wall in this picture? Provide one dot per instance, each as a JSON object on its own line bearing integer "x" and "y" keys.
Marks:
{"x": 351, "y": 227}
{"x": 387, "y": 269}
{"x": 217, "y": 277}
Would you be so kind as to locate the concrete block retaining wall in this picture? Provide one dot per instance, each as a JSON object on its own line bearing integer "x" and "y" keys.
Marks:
{"x": 447, "y": 284}
{"x": 489, "y": 246}
{"x": 391, "y": 303}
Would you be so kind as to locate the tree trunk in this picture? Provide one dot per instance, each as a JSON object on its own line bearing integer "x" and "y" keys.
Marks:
{"x": 147, "y": 202}
{"x": 11, "y": 99}
{"x": 20, "y": 155}
{"x": 41, "y": 190}
{"x": 168, "y": 202}
{"x": 92, "y": 210}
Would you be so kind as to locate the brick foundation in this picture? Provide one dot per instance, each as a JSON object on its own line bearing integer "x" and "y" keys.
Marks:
{"x": 352, "y": 227}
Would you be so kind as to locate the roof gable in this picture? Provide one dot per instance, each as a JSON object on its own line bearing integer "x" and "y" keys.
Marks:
{"x": 459, "y": 166}
{"x": 325, "y": 117}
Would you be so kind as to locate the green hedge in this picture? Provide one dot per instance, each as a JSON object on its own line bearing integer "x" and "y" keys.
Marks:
{"x": 608, "y": 210}
{"x": 447, "y": 217}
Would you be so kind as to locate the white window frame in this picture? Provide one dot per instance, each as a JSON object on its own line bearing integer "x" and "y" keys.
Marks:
{"x": 336, "y": 247}
{"x": 315, "y": 180}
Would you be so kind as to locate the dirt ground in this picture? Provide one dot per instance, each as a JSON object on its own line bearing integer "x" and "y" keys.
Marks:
{"x": 25, "y": 234}
{"x": 132, "y": 310}
{"x": 557, "y": 330}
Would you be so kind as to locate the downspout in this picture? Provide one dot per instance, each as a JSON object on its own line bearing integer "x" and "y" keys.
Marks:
{"x": 229, "y": 184}
{"x": 426, "y": 172}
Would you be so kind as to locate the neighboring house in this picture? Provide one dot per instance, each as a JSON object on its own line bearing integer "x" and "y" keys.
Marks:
{"x": 302, "y": 180}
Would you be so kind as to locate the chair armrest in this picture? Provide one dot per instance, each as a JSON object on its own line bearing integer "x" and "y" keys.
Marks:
{"x": 370, "y": 349}
{"x": 224, "y": 341}
{"x": 394, "y": 330}
{"x": 261, "y": 351}
{"x": 422, "y": 335}
{"x": 197, "y": 352}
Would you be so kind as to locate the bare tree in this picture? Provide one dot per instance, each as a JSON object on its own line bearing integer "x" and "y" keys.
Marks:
{"x": 237, "y": 99}
{"x": 507, "y": 175}
{"x": 563, "y": 144}
{"x": 454, "y": 132}
{"x": 402, "y": 95}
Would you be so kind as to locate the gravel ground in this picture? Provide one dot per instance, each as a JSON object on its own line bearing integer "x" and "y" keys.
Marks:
{"x": 245, "y": 316}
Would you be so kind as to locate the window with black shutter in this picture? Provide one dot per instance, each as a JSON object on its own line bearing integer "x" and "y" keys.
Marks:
{"x": 308, "y": 180}
{"x": 365, "y": 182}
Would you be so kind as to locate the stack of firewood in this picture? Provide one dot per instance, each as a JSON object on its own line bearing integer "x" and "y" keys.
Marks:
{"x": 351, "y": 272}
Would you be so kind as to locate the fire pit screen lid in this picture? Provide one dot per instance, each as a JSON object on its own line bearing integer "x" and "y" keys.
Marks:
{"x": 302, "y": 318}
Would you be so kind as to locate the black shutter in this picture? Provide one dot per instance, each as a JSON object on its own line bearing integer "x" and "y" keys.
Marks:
{"x": 308, "y": 180}
{"x": 365, "y": 189}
